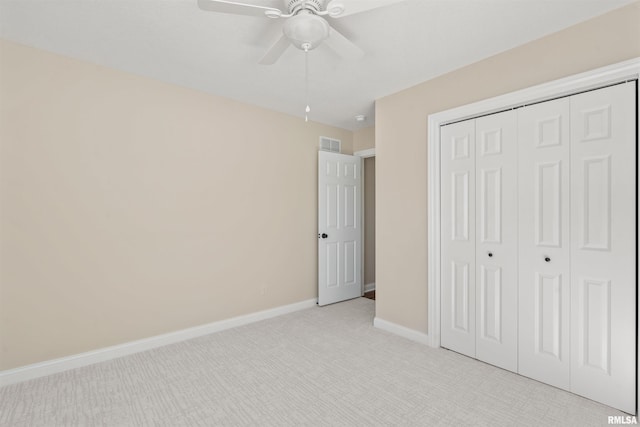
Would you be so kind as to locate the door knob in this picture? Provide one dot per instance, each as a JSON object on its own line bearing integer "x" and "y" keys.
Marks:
{"x": 323, "y": 235}
{"x": 547, "y": 259}
{"x": 490, "y": 254}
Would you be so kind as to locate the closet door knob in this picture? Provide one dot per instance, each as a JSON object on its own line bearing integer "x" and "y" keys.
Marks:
{"x": 490, "y": 254}
{"x": 547, "y": 259}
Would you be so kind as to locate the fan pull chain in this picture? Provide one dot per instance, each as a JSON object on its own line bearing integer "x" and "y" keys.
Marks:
{"x": 306, "y": 81}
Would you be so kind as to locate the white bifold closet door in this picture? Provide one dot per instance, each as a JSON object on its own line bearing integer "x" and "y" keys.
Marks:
{"x": 457, "y": 235}
{"x": 479, "y": 239}
{"x": 577, "y": 251}
{"x": 544, "y": 138}
{"x": 497, "y": 240}
{"x": 603, "y": 245}
{"x": 538, "y": 255}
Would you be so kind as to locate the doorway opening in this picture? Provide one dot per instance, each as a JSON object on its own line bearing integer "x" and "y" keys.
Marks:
{"x": 369, "y": 223}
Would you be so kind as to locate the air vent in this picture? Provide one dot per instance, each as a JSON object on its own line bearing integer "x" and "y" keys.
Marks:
{"x": 329, "y": 144}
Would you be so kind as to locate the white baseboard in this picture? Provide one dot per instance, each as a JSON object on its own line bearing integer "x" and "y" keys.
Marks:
{"x": 36, "y": 370}
{"x": 402, "y": 331}
{"x": 370, "y": 287}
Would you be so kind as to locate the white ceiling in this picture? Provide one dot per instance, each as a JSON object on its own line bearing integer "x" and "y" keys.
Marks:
{"x": 174, "y": 41}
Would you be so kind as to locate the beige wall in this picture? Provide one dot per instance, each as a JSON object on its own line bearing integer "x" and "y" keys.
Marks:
{"x": 132, "y": 208}
{"x": 364, "y": 139}
{"x": 369, "y": 243}
{"x": 401, "y": 141}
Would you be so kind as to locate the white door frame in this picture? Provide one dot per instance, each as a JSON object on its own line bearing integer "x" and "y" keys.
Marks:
{"x": 599, "y": 77}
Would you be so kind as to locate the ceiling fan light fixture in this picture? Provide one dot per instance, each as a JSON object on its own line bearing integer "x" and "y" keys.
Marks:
{"x": 306, "y": 28}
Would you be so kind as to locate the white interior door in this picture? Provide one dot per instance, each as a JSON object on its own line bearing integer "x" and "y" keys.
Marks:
{"x": 603, "y": 245}
{"x": 497, "y": 240}
{"x": 339, "y": 227}
{"x": 544, "y": 245}
{"x": 458, "y": 213}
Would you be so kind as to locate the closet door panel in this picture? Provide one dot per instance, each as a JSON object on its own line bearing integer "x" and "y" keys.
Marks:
{"x": 497, "y": 239}
{"x": 603, "y": 247}
{"x": 457, "y": 238}
{"x": 544, "y": 249}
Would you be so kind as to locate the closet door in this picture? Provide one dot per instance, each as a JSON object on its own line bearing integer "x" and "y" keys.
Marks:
{"x": 603, "y": 245}
{"x": 457, "y": 323}
{"x": 544, "y": 245}
{"x": 497, "y": 240}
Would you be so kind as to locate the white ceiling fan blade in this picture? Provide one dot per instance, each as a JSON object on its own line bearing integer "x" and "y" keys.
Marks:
{"x": 350, "y": 7}
{"x": 343, "y": 46}
{"x": 235, "y": 8}
{"x": 275, "y": 52}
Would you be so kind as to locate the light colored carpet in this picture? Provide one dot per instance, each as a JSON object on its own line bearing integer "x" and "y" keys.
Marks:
{"x": 321, "y": 366}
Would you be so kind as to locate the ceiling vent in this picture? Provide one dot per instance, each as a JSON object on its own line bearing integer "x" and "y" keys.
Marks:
{"x": 329, "y": 144}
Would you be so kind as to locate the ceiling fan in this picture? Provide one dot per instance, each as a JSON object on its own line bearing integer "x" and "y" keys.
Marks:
{"x": 305, "y": 26}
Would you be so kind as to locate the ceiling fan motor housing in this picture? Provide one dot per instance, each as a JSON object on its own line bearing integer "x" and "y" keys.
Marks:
{"x": 294, "y": 6}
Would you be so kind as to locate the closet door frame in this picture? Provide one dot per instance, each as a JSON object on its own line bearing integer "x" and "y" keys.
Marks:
{"x": 600, "y": 77}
